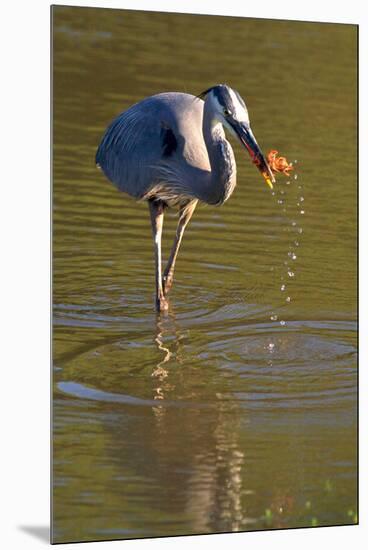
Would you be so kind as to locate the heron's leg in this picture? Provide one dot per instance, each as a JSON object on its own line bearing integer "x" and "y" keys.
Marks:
{"x": 185, "y": 214}
{"x": 156, "y": 208}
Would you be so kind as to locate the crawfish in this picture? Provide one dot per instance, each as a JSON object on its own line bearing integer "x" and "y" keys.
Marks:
{"x": 279, "y": 164}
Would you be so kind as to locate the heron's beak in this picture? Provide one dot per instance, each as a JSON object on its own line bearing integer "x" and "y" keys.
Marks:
{"x": 247, "y": 138}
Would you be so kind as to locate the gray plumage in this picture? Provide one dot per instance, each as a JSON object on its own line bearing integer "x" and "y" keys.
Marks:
{"x": 171, "y": 150}
{"x": 131, "y": 153}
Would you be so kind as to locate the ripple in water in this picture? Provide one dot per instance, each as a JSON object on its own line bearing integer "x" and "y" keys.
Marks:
{"x": 304, "y": 362}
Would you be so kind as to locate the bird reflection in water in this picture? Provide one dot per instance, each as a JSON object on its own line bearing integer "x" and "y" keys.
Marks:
{"x": 165, "y": 326}
{"x": 206, "y": 426}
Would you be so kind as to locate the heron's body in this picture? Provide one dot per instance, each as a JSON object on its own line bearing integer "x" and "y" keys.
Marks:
{"x": 171, "y": 150}
{"x": 157, "y": 149}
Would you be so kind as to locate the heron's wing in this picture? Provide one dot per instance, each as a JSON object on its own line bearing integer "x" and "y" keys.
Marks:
{"x": 133, "y": 145}
{"x": 169, "y": 141}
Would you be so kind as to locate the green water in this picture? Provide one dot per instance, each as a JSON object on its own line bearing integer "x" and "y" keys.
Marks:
{"x": 237, "y": 411}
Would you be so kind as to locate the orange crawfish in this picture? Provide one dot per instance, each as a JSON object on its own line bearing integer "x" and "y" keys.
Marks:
{"x": 279, "y": 164}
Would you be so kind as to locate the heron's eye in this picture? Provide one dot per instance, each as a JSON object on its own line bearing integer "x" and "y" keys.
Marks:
{"x": 227, "y": 112}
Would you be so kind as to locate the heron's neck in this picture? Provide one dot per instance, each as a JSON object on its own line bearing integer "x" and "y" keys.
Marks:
{"x": 221, "y": 157}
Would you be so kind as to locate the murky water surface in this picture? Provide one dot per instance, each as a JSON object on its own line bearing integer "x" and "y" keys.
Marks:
{"x": 237, "y": 411}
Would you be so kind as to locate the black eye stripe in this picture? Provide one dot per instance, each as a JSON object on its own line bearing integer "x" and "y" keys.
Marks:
{"x": 223, "y": 97}
{"x": 222, "y": 94}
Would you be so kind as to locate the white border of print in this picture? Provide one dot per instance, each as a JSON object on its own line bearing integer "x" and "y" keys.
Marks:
{"x": 25, "y": 273}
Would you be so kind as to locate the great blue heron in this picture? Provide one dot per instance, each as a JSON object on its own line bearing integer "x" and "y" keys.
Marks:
{"x": 170, "y": 149}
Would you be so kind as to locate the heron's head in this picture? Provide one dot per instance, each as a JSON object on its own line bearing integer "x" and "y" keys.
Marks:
{"x": 230, "y": 110}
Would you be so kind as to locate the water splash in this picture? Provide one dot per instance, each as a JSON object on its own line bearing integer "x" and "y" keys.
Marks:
{"x": 271, "y": 347}
{"x": 291, "y": 199}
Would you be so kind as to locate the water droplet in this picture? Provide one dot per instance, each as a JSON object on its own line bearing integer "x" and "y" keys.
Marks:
{"x": 291, "y": 273}
{"x": 301, "y": 199}
{"x": 302, "y": 211}
{"x": 273, "y": 193}
{"x": 295, "y": 162}
{"x": 293, "y": 256}
{"x": 283, "y": 287}
{"x": 295, "y": 176}
{"x": 293, "y": 224}
{"x": 280, "y": 201}
{"x": 288, "y": 299}
{"x": 282, "y": 323}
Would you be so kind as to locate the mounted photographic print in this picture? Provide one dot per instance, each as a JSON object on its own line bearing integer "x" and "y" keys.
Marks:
{"x": 204, "y": 203}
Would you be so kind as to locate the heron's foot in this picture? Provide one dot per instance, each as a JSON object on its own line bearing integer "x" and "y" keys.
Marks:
{"x": 162, "y": 304}
{"x": 167, "y": 282}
